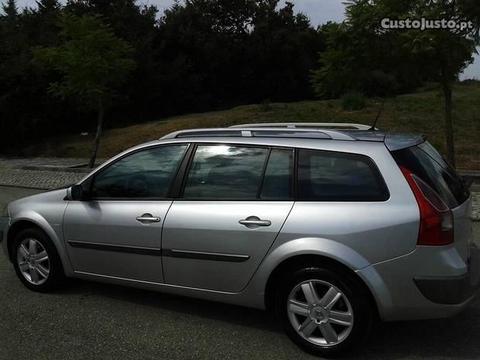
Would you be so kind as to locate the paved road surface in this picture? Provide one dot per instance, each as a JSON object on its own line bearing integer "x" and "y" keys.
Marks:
{"x": 8, "y": 194}
{"x": 96, "y": 321}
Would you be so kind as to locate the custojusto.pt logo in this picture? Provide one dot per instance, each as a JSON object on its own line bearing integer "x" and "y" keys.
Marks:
{"x": 426, "y": 24}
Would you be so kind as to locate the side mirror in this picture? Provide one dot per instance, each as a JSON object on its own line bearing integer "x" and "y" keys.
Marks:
{"x": 77, "y": 193}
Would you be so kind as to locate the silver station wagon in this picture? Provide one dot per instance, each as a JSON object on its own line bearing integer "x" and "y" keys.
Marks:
{"x": 329, "y": 226}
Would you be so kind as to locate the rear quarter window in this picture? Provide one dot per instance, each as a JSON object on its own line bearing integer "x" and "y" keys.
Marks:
{"x": 334, "y": 176}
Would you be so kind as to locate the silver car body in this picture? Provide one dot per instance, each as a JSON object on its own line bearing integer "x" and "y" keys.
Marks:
{"x": 375, "y": 240}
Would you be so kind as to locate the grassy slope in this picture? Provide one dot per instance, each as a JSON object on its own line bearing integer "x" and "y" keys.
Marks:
{"x": 420, "y": 113}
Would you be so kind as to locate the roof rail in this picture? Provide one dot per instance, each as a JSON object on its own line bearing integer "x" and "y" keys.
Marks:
{"x": 295, "y": 125}
{"x": 306, "y": 133}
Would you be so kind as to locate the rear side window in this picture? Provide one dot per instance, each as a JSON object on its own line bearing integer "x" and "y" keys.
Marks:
{"x": 425, "y": 162}
{"x": 224, "y": 172}
{"x": 229, "y": 172}
{"x": 334, "y": 176}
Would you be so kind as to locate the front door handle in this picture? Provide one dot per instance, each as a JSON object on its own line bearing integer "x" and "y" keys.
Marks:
{"x": 148, "y": 218}
{"x": 254, "y": 221}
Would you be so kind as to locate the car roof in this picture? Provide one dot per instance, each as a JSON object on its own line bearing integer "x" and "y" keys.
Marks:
{"x": 299, "y": 131}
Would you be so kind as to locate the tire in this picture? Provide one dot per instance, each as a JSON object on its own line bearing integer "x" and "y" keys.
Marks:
{"x": 36, "y": 261}
{"x": 350, "y": 316}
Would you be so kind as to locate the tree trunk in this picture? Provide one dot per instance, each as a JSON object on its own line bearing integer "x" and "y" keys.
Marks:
{"x": 100, "y": 116}
{"x": 447, "y": 91}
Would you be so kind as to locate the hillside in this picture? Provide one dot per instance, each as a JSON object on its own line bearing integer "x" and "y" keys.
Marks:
{"x": 420, "y": 112}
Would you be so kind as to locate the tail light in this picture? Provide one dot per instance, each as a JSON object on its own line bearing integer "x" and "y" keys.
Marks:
{"x": 436, "y": 218}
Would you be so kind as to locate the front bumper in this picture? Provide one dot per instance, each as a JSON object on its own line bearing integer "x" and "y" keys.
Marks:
{"x": 425, "y": 284}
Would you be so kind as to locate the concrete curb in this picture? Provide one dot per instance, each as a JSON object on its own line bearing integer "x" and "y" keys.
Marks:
{"x": 75, "y": 169}
{"x": 474, "y": 176}
{"x": 469, "y": 173}
{"x": 78, "y": 170}
{"x": 26, "y": 187}
{"x": 82, "y": 168}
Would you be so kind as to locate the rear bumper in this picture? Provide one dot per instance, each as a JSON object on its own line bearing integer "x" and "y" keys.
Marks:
{"x": 451, "y": 290}
{"x": 425, "y": 284}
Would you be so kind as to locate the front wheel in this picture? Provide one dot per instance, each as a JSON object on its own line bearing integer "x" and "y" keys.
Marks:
{"x": 36, "y": 261}
{"x": 324, "y": 312}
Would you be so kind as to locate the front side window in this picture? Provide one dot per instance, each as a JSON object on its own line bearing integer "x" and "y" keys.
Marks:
{"x": 144, "y": 174}
{"x": 334, "y": 176}
{"x": 225, "y": 172}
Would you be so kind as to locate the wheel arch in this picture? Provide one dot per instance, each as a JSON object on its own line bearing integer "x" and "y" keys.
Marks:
{"x": 41, "y": 224}
{"x": 16, "y": 228}
{"x": 308, "y": 260}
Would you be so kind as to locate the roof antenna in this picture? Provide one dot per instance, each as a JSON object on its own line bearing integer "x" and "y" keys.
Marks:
{"x": 380, "y": 111}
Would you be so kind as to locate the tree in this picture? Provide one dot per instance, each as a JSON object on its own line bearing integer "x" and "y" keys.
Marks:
{"x": 13, "y": 61}
{"x": 407, "y": 57}
{"x": 10, "y": 8}
{"x": 222, "y": 53}
{"x": 283, "y": 50}
{"x": 92, "y": 62}
{"x": 445, "y": 52}
{"x": 137, "y": 24}
{"x": 360, "y": 58}
{"x": 200, "y": 55}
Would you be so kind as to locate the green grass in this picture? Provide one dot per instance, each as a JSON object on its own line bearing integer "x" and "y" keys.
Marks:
{"x": 420, "y": 112}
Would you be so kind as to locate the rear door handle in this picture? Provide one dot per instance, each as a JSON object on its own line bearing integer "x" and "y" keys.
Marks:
{"x": 254, "y": 221}
{"x": 148, "y": 218}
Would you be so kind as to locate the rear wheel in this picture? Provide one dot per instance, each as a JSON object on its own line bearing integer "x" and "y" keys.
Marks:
{"x": 36, "y": 261}
{"x": 323, "y": 311}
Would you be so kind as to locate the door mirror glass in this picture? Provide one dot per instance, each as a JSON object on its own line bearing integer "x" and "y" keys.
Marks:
{"x": 77, "y": 192}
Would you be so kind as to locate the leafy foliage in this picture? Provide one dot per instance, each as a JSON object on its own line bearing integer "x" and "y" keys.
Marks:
{"x": 91, "y": 59}
{"x": 361, "y": 56}
{"x": 353, "y": 101}
{"x": 92, "y": 62}
{"x": 200, "y": 55}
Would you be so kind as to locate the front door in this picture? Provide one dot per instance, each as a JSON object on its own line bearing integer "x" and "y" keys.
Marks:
{"x": 234, "y": 203}
{"x": 118, "y": 231}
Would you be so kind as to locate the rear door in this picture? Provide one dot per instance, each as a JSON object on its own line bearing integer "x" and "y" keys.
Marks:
{"x": 426, "y": 162}
{"x": 234, "y": 202}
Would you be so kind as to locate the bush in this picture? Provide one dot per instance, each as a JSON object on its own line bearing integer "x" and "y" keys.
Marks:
{"x": 266, "y": 106}
{"x": 469, "y": 82}
{"x": 379, "y": 83}
{"x": 353, "y": 101}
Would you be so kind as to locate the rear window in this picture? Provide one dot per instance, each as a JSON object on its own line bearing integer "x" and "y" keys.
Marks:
{"x": 427, "y": 163}
{"x": 333, "y": 176}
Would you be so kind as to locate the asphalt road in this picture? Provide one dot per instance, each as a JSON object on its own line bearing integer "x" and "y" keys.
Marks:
{"x": 97, "y": 321}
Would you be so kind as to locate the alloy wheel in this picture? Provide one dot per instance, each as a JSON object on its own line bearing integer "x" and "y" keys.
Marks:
{"x": 33, "y": 261}
{"x": 320, "y": 312}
